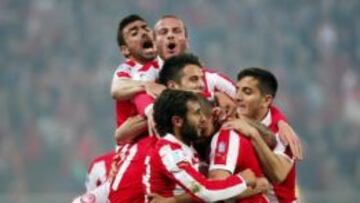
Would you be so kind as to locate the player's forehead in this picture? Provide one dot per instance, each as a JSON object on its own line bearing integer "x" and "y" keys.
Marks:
{"x": 192, "y": 69}
{"x": 247, "y": 81}
{"x": 134, "y": 25}
{"x": 168, "y": 22}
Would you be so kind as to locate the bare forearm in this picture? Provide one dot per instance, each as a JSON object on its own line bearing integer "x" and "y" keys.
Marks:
{"x": 274, "y": 168}
{"x": 183, "y": 198}
{"x": 247, "y": 193}
{"x": 125, "y": 133}
{"x": 265, "y": 133}
{"x": 124, "y": 89}
{"x": 262, "y": 186}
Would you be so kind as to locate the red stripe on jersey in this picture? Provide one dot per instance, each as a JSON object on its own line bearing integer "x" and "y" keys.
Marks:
{"x": 147, "y": 66}
{"x": 222, "y": 147}
{"x": 130, "y": 63}
{"x": 123, "y": 75}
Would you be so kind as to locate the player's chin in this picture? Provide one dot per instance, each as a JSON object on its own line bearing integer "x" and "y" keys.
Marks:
{"x": 170, "y": 53}
{"x": 200, "y": 133}
{"x": 149, "y": 54}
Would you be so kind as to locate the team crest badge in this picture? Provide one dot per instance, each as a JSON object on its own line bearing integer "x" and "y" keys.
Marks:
{"x": 222, "y": 147}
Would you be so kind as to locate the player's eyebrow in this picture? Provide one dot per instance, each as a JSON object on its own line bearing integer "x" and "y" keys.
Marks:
{"x": 133, "y": 28}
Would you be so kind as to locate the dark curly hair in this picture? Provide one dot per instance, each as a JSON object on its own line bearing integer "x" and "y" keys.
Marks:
{"x": 171, "y": 103}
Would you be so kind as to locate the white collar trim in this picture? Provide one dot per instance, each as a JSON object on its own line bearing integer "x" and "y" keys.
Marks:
{"x": 267, "y": 120}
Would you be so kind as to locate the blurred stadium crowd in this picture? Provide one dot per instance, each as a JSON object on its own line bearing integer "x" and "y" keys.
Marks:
{"x": 57, "y": 59}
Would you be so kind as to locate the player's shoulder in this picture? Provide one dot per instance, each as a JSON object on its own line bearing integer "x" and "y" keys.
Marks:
{"x": 126, "y": 65}
{"x": 171, "y": 155}
{"x": 276, "y": 114}
{"x": 166, "y": 145}
{"x": 105, "y": 156}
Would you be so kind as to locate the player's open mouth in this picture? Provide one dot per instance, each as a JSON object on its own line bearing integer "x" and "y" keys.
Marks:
{"x": 171, "y": 46}
{"x": 148, "y": 48}
{"x": 147, "y": 44}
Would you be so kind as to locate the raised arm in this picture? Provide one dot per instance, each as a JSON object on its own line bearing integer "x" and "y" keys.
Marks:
{"x": 125, "y": 88}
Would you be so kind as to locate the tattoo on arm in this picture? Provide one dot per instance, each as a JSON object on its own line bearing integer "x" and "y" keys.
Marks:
{"x": 265, "y": 133}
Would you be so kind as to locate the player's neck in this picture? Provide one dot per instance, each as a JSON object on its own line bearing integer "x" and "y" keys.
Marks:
{"x": 261, "y": 114}
{"x": 140, "y": 61}
{"x": 177, "y": 135}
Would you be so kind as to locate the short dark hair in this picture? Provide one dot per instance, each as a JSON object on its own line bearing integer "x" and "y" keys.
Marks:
{"x": 172, "y": 68}
{"x": 123, "y": 23}
{"x": 171, "y": 103}
{"x": 267, "y": 81}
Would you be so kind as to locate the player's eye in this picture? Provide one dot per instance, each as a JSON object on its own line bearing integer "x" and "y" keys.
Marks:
{"x": 134, "y": 33}
{"x": 162, "y": 31}
{"x": 177, "y": 30}
{"x": 247, "y": 91}
{"x": 194, "y": 78}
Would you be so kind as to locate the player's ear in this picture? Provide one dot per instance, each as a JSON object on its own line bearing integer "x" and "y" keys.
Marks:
{"x": 172, "y": 84}
{"x": 268, "y": 99}
{"x": 177, "y": 121}
{"x": 125, "y": 51}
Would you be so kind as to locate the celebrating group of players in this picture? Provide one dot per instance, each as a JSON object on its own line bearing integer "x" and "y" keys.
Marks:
{"x": 187, "y": 134}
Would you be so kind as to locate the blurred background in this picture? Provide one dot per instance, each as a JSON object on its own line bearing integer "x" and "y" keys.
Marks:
{"x": 57, "y": 58}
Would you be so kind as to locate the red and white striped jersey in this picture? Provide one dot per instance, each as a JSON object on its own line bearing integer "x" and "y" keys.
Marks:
{"x": 135, "y": 71}
{"x": 217, "y": 82}
{"x": 98, "y": 170}
{"x": 283, "y": 192}
{"x": 127, "y": 185}
{"x": 172, "y": 169}
{"x": 234, "y": 153}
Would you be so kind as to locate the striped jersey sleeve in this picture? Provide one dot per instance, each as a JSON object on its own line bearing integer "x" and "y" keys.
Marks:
{"x": 179, "y": 169}
{"x": 225, "y": 148}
